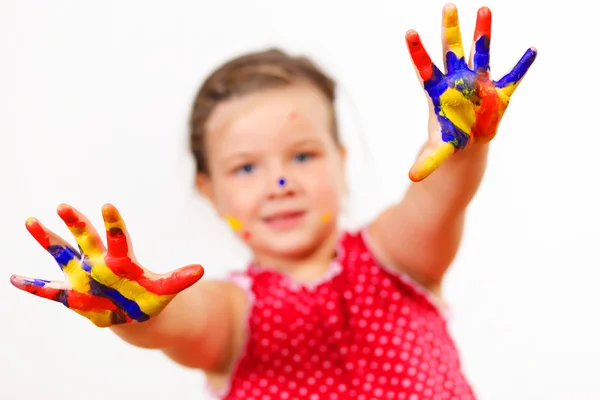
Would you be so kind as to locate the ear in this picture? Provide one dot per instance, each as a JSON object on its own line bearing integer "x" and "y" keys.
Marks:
{"x": 205, "y": 187}
{"x": 343, "y": 157}
{"x": 343, "y": 154}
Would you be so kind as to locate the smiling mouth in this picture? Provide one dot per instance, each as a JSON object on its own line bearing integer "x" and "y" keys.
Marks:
{"x": 284, "y": 220}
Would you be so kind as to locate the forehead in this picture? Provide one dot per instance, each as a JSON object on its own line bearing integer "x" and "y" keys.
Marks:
{"x": 293, "y": 112}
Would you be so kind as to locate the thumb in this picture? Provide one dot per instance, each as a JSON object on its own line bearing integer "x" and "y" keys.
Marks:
{"x": 430, "y": 158}
{"x": 180, "y": 279}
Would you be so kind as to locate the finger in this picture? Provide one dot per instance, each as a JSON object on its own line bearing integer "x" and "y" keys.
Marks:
{"x": 510, "y": 81}
{"x": 454, "y": 55}
{"x": 480, "y": 51}
{"x": 101, "y": 311}
{"x": 64, "y": 254}
{"x": 429, "y": 74}
{"x": 429, "y": 160}
{"x": 173, "y": 282}
{"x": 117, "y": 237}
{"x": 84, "y": 232}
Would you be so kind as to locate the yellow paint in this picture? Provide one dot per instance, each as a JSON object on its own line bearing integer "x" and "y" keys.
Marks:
{"x": 88, "y": 242}
{"x": 507, "y": 91}
{"x": 148, "y": 302}
{"x": 457, "y": 109}
{"x": 452, "y": 34}
{"x": 432, "y": 162}
{"x": 30, "y": 221}
{"x": 234, "y": 223}
{"x": 78, "y": 278}
{"x": 111, "y": 221}
{"x": 101, "y": 319}
{"x": 326, "y": 217}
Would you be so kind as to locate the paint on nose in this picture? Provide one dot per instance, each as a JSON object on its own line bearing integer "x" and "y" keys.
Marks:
{"x": 281, "y": 182}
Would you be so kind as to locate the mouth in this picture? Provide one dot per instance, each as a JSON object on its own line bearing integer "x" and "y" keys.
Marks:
{"x": 284, "y": 219}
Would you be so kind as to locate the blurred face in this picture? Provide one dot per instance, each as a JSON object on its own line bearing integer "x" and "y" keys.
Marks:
{"x": 276, "y": 173}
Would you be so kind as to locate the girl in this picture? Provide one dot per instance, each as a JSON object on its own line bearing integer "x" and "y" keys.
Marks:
{"x": 319, "y": 313}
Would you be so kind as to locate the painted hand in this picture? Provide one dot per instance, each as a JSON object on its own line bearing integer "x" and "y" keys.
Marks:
{"x": 465, "y": 105}
{"x": 107, "y": 286}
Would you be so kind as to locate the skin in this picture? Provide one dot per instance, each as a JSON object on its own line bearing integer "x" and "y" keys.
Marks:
{"x": 254, "y": 141}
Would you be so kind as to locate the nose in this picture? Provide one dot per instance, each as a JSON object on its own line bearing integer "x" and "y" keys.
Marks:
{"x": 282, "y": 186}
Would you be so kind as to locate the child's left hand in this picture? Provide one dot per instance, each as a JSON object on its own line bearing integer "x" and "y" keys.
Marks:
{"x": 465, "y": 105}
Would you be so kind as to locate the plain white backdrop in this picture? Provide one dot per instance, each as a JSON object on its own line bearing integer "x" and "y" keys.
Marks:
{"x": 94, "y": 101}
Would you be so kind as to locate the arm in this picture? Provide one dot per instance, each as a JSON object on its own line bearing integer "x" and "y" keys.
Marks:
{"x": 421, "y": 234}
{"x": 197, "y": 329}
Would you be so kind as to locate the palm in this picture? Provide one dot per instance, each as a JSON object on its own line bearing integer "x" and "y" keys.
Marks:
{"x": 466, "y": 104}
{"x": 103, "y": 283}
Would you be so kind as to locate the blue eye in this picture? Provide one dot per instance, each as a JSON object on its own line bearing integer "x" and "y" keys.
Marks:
{"x": 245, "y": 169}
{"x": 301, "y": 157}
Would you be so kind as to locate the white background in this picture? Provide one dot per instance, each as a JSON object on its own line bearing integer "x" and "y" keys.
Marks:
{"x": 94, "y": 101}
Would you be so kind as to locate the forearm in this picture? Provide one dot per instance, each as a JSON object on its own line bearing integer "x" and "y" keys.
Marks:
{"x": 186, "y": 319}
{"x": 449, "y": 190}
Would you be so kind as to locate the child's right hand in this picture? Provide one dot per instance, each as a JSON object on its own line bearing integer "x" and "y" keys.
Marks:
{"x": 105, "y": 285}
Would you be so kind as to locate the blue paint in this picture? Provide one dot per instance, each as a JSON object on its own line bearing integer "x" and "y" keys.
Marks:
{"x": 62, "y": 255}
{"x": 435, "y": 87}
{"x": 37, "y": 282}
{"x": 454, "y": 63}
{"x": 281, "y": 182}
{"x": 481, "y": 59}
{"x": 129, "y": 306}
{"x": 517, "y": 73}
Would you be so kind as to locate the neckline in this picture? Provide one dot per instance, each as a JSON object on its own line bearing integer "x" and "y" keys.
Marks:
{"x": 333, "y": 270}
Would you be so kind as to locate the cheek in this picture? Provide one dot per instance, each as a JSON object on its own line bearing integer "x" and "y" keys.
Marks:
{"x": 236, "y": 198}
{"x": 326, "y": 190}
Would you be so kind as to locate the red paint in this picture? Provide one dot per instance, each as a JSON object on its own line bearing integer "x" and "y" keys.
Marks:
{"x": 419, "y": 55}
{"x": 246, "y": 235}
{"x": 174, "y": 282}
{"x": 483, "y": 26}
{"x": 488, "y": 113}
{"x": 74, "y": 300}
{"x": 71, "y": 217}
{"x": 38, "y": 232}
{"x": 116, "y": 241}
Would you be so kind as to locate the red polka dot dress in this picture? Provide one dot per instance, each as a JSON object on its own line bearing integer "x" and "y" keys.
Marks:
{"x": 363, "y": 332}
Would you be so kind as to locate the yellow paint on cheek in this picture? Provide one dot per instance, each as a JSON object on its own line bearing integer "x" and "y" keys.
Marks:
{"x": 457, "y": 109}
{"x": 326, "y": 217}
{"x": 234, "y": 223}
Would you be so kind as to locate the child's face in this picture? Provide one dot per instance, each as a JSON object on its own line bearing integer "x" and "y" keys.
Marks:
{"x": 276, "y": 171}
